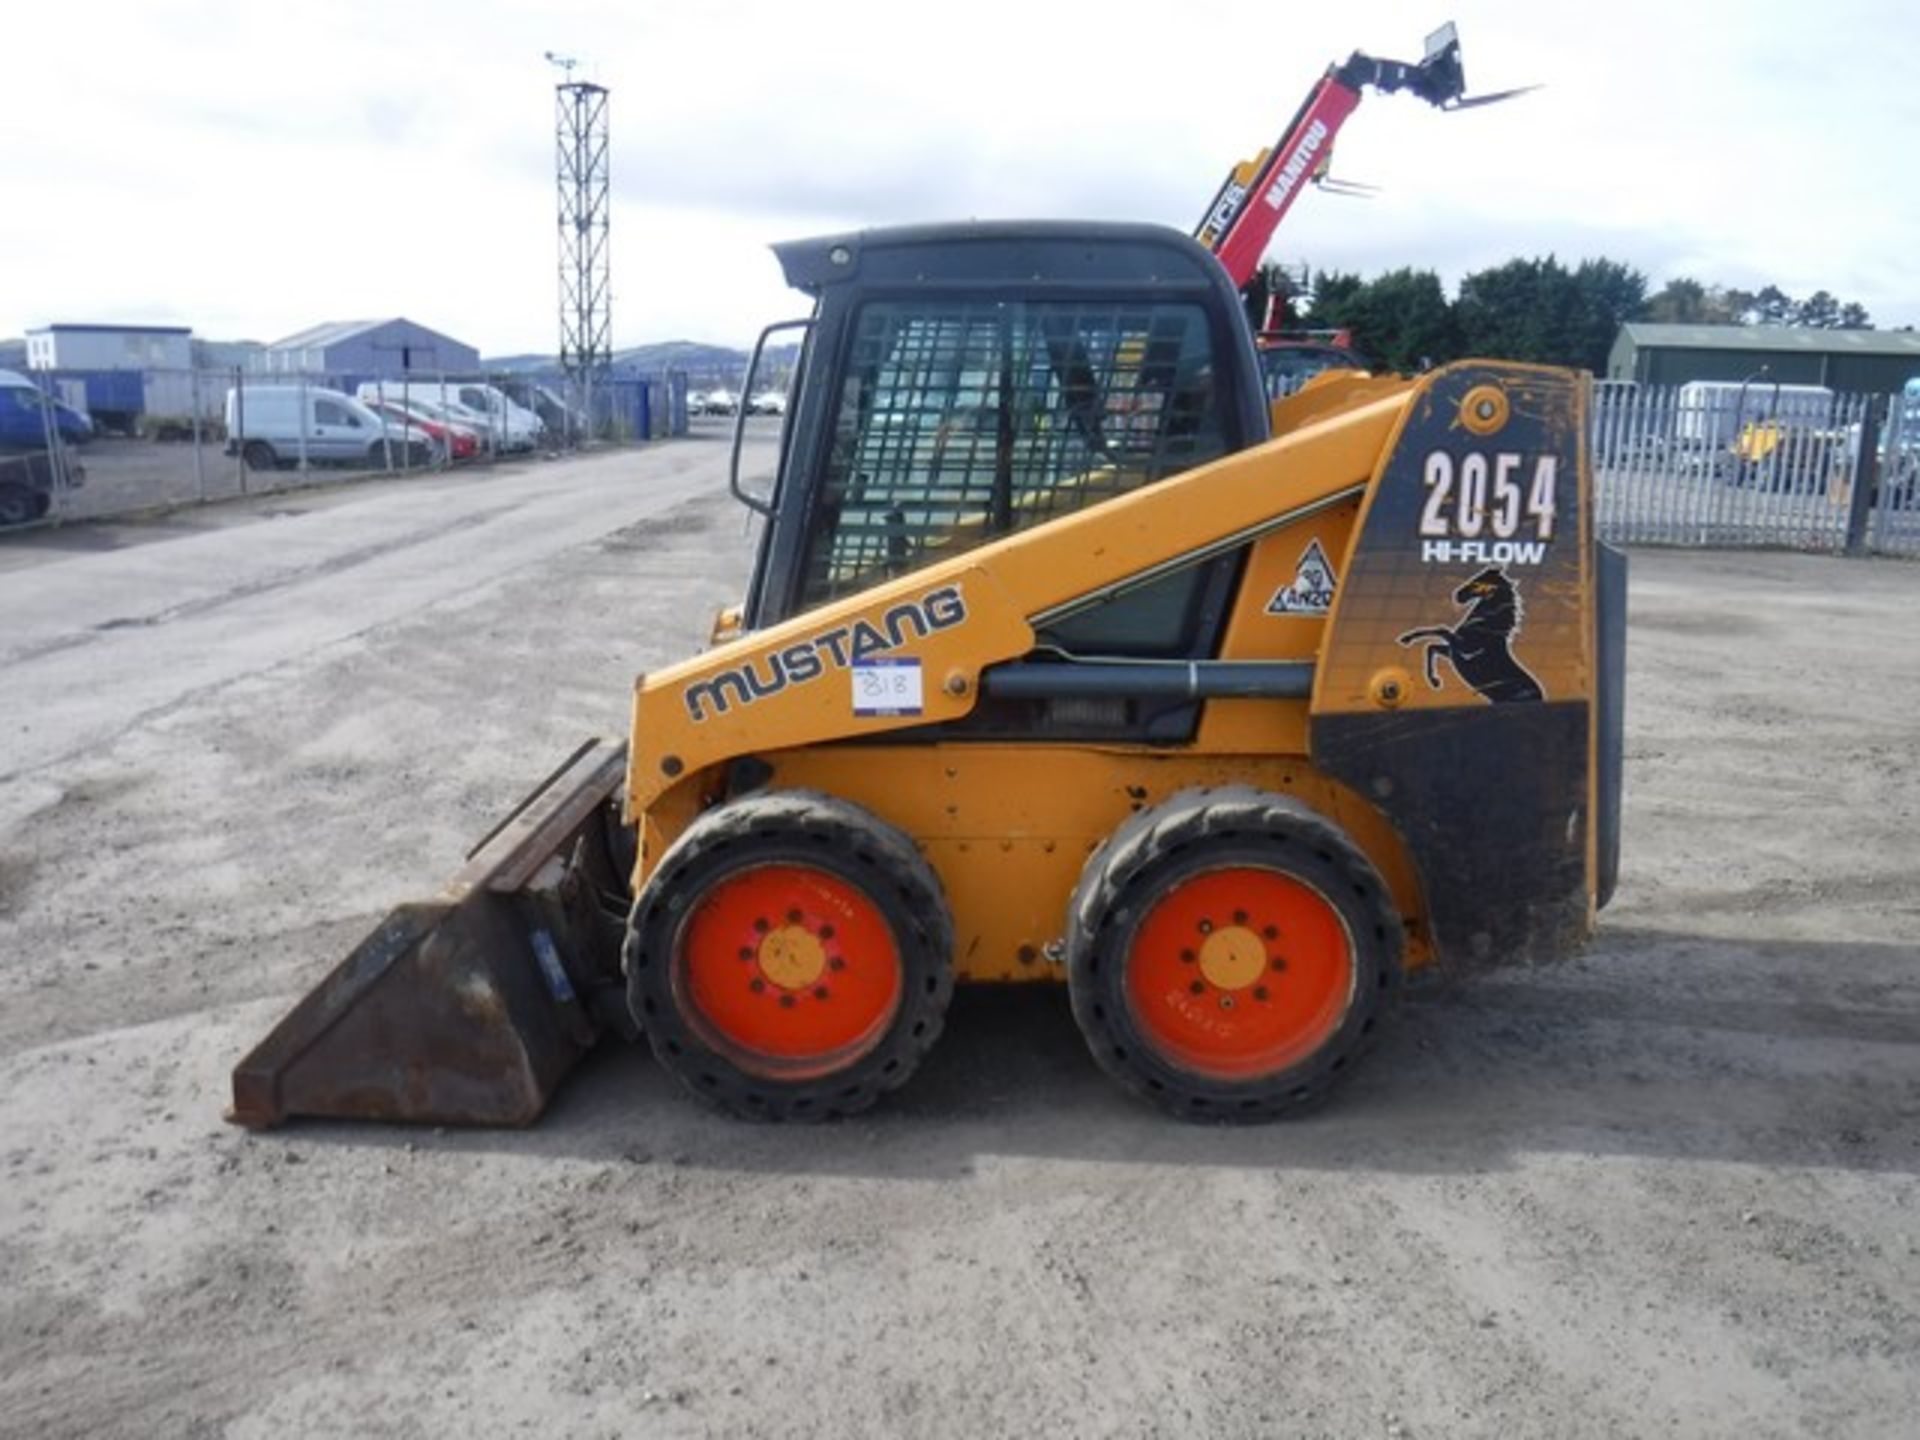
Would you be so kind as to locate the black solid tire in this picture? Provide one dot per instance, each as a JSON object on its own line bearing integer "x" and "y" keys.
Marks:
{"x": 259, "y": 455}
{"x": 804, "y": 827}
{"x": 17, "y": 505}
{"x": 1199, "y": 829}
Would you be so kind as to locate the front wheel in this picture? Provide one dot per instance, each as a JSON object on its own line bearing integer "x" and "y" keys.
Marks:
{"x": 1231, "y": 955}
{"x": 259, "y": 455}
{"x": 790, "y": 958}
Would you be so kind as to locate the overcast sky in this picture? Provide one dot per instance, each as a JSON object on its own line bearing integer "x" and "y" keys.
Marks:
{"x": 252, "y": 168}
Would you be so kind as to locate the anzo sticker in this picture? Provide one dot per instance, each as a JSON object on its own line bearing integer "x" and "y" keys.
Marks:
{"x": 1310, "y": 592}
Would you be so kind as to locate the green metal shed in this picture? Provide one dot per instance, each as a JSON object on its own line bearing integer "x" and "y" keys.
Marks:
{"x": 1855, "y": 361}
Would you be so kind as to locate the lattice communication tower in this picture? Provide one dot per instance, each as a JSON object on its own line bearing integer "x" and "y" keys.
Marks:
{"x": 586, "y": 320}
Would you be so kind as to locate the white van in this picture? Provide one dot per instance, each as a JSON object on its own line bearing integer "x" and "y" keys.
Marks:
{"x": 266, "y": 428}
{"x": 1711, "y": 414}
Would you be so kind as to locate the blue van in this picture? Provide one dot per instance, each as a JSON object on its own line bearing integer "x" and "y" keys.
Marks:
{"x": 23, "y": 415}
{"x": 29, "y": 473}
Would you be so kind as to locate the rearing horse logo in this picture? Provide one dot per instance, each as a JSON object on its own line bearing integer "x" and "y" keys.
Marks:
{"x": 1480, "y": 647}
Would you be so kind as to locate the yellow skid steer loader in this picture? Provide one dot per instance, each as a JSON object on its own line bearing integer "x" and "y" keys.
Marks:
{"x": 1065, "y": 658}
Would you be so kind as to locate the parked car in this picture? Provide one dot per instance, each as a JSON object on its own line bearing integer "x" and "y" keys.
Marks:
{"x": 25, "y": 411}
{"x": 559, "y": 419}
{"x": 719, "y": 402}
{"x": 455, "y": 442}
{"x": 767, "y": 402}
{"x": 267, "y": 427}
{"x": 514, "y": 427}
{"x": 28, "y": 480}
{"x": 427, "y": 404}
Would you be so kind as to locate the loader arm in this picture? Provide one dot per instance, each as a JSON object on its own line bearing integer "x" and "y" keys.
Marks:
{"x": 963, "y": 615}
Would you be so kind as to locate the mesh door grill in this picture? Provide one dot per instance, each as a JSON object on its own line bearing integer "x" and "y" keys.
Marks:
{"x": 960, "y": 421}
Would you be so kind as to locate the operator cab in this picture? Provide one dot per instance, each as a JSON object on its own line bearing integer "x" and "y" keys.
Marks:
{"x": 958, "y": 383}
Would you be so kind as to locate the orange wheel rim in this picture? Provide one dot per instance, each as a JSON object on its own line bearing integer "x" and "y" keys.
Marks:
{"x": 1240, "y": 973}
{"x": 788, "y": 971}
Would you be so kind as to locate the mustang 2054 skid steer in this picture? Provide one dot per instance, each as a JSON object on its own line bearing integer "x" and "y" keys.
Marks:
{"x": 1065, "y": 658}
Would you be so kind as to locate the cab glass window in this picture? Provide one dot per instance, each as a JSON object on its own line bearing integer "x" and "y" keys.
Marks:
{"x": 961, "y": 421}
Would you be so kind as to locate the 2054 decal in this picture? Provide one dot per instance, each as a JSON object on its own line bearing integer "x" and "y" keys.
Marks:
{"x": 1485, "y": 508}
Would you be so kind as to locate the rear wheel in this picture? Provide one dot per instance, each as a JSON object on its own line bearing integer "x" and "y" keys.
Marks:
{"x": 18, "y": 505}
{"x": 1232, "y": 954}
{"x": 790, "y": 958}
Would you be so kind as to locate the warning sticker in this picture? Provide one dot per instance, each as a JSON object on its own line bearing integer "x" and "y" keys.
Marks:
{"x": 1310, "y": 592}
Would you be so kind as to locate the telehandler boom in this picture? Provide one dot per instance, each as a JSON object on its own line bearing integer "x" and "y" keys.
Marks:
{"x": 1257, "y": 194}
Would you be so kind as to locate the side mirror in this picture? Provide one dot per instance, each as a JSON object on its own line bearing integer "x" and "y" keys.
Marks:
{"x": 755, "y": 503}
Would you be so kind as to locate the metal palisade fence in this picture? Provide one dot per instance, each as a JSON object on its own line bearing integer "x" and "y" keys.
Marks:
{"x": 1799, "y": 467}
{"x": 81, "y": 444}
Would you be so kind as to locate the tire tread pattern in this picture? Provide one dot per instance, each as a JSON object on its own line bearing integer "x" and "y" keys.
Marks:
{"x": 842, "y": 835}
{"x": 1107, "y": 903}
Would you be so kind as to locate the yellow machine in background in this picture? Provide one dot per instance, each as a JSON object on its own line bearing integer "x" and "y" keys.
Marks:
{"x": 1067, "y": 660}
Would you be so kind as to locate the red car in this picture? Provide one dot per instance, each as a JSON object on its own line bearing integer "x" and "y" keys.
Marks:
{"x": 457, "y": 441}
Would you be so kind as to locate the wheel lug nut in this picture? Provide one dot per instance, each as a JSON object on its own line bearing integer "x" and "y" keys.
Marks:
{"x": 1272, "y": 932}
{"x": 820, "y": 992}
{"x": 757, "y": 985}
{"x": 826, "y": 932}
{"x": 786, "y": 1002}
{"x": 836, "y": 963}
{"x": 1259, "y": 992}
{"x": 746, "y": 952}
{"x": 1278, "y": 963}
{"x": 1239, "y": 917}
{"x": 1198, "y": 987}
{"x": 1206, "y": 927}
{"x": 1186, "y": 957}
{"x": 793, "y": 917}
{"x": 1226, "y": 1002}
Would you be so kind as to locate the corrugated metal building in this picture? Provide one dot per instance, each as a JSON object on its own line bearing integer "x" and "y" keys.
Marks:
{"x": 1861, "y": 361}
{"x": 110, "y": 347}
{"x": 369, "y": 349}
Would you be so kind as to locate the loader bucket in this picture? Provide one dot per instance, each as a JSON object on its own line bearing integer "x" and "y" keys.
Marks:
{"x": 470, "y": 1008}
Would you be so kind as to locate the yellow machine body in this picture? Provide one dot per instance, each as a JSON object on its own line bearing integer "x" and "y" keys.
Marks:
{"x": 1008, "y": 827}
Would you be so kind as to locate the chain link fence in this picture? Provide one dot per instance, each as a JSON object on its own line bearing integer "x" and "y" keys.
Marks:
{"x": 81, "y": 445}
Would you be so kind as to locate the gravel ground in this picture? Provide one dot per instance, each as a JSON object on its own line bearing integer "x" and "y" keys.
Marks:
{"x": 1666, "y": 1189}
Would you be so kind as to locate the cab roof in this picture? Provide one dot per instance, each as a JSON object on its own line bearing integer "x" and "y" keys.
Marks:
{"x": 1107, "y": 254}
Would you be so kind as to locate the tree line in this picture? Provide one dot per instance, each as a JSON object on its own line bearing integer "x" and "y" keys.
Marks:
{"x": 1526, "y": 309}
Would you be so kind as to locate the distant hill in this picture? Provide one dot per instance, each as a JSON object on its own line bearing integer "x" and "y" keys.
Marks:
{"x": 706, "y": 365}
{"x": 518, "y": 364}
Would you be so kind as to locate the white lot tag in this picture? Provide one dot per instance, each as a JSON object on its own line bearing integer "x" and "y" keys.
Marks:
{"x": 886, "y": 687}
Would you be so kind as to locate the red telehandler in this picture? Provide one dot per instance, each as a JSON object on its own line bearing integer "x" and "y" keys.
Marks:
{"x": 1257, "y": 193}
